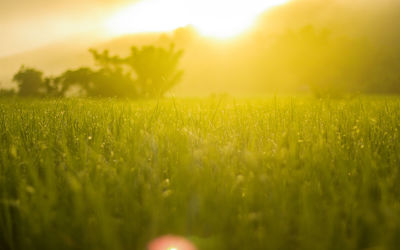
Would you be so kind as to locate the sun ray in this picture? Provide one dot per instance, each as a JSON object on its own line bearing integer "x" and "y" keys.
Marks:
{"x": 218, "y": 19}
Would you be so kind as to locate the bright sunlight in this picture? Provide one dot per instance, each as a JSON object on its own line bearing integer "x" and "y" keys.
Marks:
{"x": 217, "y": 19}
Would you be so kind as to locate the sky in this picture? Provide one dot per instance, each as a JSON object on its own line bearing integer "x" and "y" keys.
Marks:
{"x": 222, "y": 19}
{"x": 28, "y": 24}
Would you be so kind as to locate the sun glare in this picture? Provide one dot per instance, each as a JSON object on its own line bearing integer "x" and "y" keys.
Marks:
{"x": 213, "y": 18}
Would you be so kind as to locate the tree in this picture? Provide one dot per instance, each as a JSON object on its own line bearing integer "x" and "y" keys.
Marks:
{"x": 156, "y": 69}
{"x": 330, "y": 65}
{"x": 54, "y": 87}
{"x": 146, "y": 72}
{"x": 30, "y": 82}
{"x": 7, "y": 92}
{"x": 81, "y": 77}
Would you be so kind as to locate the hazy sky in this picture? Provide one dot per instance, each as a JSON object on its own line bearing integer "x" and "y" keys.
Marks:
{"x": 26, "y": 24}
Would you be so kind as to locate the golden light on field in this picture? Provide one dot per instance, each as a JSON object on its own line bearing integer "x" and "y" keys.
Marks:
{"x": 212, "y": 18}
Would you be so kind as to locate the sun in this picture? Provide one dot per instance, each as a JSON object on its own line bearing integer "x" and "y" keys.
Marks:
{"x": 213, "y": 18}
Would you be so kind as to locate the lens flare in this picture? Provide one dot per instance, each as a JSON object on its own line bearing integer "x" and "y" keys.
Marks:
{"x": 171, "y": 242}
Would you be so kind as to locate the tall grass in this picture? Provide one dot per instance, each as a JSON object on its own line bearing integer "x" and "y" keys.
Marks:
{"x": 279, "y": 173}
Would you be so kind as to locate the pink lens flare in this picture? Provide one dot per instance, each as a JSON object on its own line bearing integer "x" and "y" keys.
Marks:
{"x": 171, "y": 242}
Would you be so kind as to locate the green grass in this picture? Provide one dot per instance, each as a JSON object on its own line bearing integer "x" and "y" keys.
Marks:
{"x": 279, "y": 173}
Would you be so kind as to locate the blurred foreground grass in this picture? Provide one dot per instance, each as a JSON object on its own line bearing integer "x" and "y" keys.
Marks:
{"x": 278, "y": 173}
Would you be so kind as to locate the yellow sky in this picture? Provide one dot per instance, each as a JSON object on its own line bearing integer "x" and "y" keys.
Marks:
{"x": 27, "y": 24}
{"x": 213, "y": 18}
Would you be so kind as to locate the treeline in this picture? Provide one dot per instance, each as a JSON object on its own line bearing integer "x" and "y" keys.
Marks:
{"x": 310, "y": 59}
{"x": 328, "y": 48}
{"x": 332, "y": 65}
{"x": 146, "y": 72}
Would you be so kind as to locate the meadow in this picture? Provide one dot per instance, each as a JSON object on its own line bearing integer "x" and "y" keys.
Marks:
{"x": 226, "y": 173}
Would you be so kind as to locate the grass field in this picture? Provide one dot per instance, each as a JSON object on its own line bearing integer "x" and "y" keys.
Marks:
{"x": 275, "y": 173}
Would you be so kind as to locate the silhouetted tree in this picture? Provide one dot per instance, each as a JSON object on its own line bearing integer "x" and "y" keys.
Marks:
{"x": 82, "y": 77}
{"x": 30, "y": 82}
{"x": 7, "y": 92}
{"x": 146, "y": 72}
{"x": 54, "y": 87}
{"x": 156, "y": 69}
{"x": 329, "y": 65}
{"x": 112, "y": 83}
{"x": 104, "y": 60}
